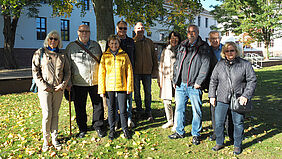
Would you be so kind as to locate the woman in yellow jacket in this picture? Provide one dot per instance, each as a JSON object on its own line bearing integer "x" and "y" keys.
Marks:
{"x": 115, "y": 80}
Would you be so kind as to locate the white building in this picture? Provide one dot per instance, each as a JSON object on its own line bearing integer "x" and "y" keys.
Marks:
{"x": 31, "y": 32}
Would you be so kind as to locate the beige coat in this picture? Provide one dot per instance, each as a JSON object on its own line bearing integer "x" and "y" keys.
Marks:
{"x": 166, "y": 73}
{"x": 41, "y": 71}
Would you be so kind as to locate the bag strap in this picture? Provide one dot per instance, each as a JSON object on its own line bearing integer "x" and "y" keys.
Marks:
{"x": 41, "y": 55}
{"x": 93, "y": 56}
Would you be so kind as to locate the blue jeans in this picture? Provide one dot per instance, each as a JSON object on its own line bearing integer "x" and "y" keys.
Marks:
{"x": 129, "y": 107}
{"x": 182, "y": 94}
{"x": 238, "y": 121}
{"x": 146, "y": 81}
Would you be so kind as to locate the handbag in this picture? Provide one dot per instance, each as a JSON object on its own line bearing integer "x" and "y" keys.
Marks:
{"x": 237, "y": 107}
{"x": 33, "y": 87}
{"x": 234, "y": 101}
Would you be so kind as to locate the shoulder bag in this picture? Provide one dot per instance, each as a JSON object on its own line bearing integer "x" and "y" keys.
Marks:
{"x": 33, "y": 87}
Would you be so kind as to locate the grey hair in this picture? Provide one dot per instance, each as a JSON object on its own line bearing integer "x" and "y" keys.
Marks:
{"x": 194, "y": 26}
{"x": 54, "y": 34}
{"x": 214, "y": 32}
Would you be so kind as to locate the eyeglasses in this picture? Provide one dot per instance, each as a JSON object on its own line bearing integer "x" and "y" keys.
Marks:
{"x": 84, "y": 31}
{"x": 212, "y": 39}
{"x": 229, "y": 51}
{"x": 55, "y": 39}
{"x": 122, "y": 28}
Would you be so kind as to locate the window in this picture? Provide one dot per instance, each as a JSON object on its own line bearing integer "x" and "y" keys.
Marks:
{"x": 41, "y": 28}
{"x": 86, "y": 2}
{"x": 199, "y": 21}
{"x": 207, "y": 22}
{"x": 86, "y": 23}
{"x": 227, "y": 33}
{"x": 259, "y": 44}
{"x": 271, "y": 44}
{"x": 65, "y": 30}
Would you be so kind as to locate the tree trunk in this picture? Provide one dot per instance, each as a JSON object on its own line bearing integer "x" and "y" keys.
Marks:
{"x": 266, "y": 50}
{"x": 9, "y": 32}
{"x": 104, "y": 18}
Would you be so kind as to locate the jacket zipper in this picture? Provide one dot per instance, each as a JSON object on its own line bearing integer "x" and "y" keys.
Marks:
{"x": 190, "y": 63}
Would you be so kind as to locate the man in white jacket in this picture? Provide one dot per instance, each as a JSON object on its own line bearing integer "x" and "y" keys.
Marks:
{"x": 84, "y": 80}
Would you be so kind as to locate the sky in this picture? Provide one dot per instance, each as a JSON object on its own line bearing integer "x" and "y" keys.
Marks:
{"x": 207, "y": 3}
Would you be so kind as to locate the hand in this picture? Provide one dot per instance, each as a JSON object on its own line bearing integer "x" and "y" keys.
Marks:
{"x": 174, "y": 86}
{"x": 196, "y": 86}
{"x": 213, "y": 101}
{"x": 128, "y": 92}
{"x": 102, "y": 95}
{"x": 58, "y": 88}
{"x": 243, "y": 100}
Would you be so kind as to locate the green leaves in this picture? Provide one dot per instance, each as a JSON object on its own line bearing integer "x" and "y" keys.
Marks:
{"x": 261, "y": 19}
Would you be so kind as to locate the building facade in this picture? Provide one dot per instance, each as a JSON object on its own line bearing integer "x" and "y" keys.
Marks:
{"x": 31, "y": 32}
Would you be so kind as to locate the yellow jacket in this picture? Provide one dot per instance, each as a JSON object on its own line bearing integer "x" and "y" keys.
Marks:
{"x": 115, "y": 72}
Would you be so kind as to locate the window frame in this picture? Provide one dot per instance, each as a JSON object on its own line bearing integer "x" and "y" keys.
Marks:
{"x": 40, "y": 33}
{"x": 64, "y": 36}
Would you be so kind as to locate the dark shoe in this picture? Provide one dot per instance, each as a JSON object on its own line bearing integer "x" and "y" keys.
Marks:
{"x": 150, "y": 117}
{"x": 81, "y": 134}
{"x": 100, "y": 133}
{"x": 196, "y": 140}
{"x": 175, "y": 136}
{"x": 112, "y": 134}
{"x": 217, "y": 147}
{"x": 126, "y": 134}
{"x": 212, "y": 137}
{"x": 237, "y": 150}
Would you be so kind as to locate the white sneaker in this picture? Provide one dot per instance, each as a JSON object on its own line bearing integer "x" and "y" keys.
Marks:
{"x": 167, "y": 125}
{"x": 130, "y": 123}
{"x": 173, "y": 129}
{"x": 45, "y": 147}
{"x": 57, "y": 145}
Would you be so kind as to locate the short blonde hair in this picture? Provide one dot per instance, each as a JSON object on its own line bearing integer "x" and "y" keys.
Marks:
{"x": 53, "y": 34}
{"x": 224, "y": 48}
{"x": 113, "y": 37}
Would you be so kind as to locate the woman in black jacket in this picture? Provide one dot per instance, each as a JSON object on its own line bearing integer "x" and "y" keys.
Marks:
{"x": 243, "y": 81}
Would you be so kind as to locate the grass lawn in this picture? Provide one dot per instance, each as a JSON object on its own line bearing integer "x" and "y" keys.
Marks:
{"x": 21, "y": 136}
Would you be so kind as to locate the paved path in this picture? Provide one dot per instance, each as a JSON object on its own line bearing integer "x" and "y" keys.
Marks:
{"x": 15, "y": 74}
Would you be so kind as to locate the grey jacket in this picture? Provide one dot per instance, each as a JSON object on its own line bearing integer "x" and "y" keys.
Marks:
{"x": 243, "y": 80}
{"x": 84, "y": 69}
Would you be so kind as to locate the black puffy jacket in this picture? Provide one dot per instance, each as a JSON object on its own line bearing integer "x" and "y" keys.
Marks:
{"x": 243, "y": 80}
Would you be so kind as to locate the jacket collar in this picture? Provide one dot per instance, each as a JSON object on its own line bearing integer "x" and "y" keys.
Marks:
{"x": 108, "y": 51}
{"x": 198, "y": 42}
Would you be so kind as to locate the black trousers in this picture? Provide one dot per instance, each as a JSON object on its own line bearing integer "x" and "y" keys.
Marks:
{"x": 80, "y": 100}
{"x": 120, "y": 98}
{"x": 228, "y": 122}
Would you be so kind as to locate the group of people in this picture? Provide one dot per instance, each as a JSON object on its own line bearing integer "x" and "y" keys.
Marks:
{"x": 184, "y": 71}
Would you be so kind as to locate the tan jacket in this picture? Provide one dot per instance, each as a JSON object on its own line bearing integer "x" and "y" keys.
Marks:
{"x": 41, "y": 73}
{"x": 145, "y": 57}
{"x": 115, "y": 72}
